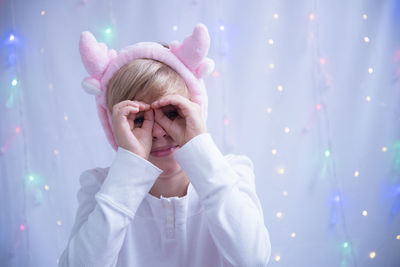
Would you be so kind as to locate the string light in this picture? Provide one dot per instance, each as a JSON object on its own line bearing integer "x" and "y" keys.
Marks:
{"x": 327, "y": 153}
{"x": 59, "y": 222}
{"x": 279, "y": 214}
{"x": 318, "y": 107}
{"x": 276, "y": 16}
{"x": 364, "y": 213}
{"x": 14, "y": 82}
{"x": 43, "y": 13}
{"x": 398, "y": 237}
{"x": 277, "y": 258}
{"x": 322, "y": 61}
{"x": 56, "y": 152}
{"x": 364, "y": 16}
{"x": 215, "y": 74}
{"x": 22, "y": 227}
{"x": 271, "y": 65}
{"x": 384, "y": 149}
{"x": 66, "y": 117}
{"x": 17, "y": 130}
{"x": 370, "y": 70}
{"x": 46, "y": 187}
{"x": 175, "y": 28}
{"x": 222, "y": 28}
{"x": 31, "y": 178}
{"x": 372, "y": 254}
{"x": 345, "y": 245}
{"x": 280, "y": 88}
{"x": 366, "y": 39}
{"x": 226, "y": 121}
{"x": 269, "y": 110}
{"x": 337, "y": 198}
{"x": 287, "y": 130}
{"x": 311, "y": 17}
{"x": 293, "y": 235}
{"x": 368, "y": 98}
{"x": 271, "y": 42}
{"x": 12, "y": 37}
{"x": 356, "y": 174}
{"x": 285, "y": 193}
{"x": 273, "y": 151}
{"x": 281, "y": 171}
{"x": 108, "y": 31}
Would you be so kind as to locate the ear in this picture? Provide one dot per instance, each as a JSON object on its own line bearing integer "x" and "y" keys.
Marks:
{"x": 91, "y": 86}
{"x": 205, "y": 68}
{"x": 95, "y": 56}
{"x": 194, "y": 48}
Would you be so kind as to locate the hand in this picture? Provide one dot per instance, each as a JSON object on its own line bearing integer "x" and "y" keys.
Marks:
{"x": 132, "y": 131}
{"x": 180, "y": 118}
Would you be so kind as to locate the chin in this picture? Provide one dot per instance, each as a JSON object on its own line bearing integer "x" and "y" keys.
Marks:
{"x": 167, "y": 164}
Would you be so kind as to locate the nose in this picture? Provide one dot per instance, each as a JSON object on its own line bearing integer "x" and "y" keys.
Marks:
{"x": 158, "y": 131}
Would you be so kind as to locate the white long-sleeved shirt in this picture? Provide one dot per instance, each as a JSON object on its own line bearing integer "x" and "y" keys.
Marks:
{"x": 219, "y": 222}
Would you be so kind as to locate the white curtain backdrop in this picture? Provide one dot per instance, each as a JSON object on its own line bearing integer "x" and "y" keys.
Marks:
{"x": 309, "y": 90}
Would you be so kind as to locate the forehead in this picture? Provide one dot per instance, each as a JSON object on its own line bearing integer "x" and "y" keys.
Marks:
{"x": 148, "y": 99}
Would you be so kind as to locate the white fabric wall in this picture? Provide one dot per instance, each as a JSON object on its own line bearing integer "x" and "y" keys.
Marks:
{"x": 328, "y": 100}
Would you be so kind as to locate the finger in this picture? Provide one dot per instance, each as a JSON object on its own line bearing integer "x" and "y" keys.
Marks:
{"x": 182, "y": 103}
{"x": 148, "y": 120}
{"x": 125, "y": 111}
{"x": 163, "y": 120}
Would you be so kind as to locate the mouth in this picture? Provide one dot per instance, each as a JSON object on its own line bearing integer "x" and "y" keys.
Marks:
{"x": 163, "y": 151}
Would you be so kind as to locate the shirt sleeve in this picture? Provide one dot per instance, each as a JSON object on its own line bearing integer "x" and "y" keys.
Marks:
{"x": 226, "y": 189}
{"x": 105, "y": 209}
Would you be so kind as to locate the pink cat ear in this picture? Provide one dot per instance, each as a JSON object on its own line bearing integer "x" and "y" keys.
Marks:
{"x": 194, "y": 48}
{"x": 95, "y": 56}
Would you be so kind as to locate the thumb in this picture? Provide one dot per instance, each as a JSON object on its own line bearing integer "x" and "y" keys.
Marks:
{"x": 148, "y": 120}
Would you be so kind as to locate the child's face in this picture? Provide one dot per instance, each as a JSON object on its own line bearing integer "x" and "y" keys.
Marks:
{"x": 163, "y": 159}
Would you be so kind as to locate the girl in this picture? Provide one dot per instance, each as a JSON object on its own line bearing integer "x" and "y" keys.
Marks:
{"x": 169, "y": 198}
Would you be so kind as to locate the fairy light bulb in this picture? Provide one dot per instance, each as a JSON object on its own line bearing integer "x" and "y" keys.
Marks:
{"x": 365, "y": 16}
{"x": 285, "y": 193}
{"x": 273, "y": 151}
{"x": 372, "y": 254}
{"x": 356, "y": 173}
{"x": 271, "y": 42}
{"x": 279, "y": 214}
{"x": 366, "y": 39}
{"x": 293, "y": 235}
{"x": 384, "y": 149}
{"x": 221, "y": 27}
{"x": 364, "y": 213}
{"x": 31, "y": 178}
{"x": 42, "y": 12}
{"x": 22, "y": 227}
{"x": 59, "y": 222}
{"x": 17, "y": 130}
{"x": 276, "y": 16}
{"x": 327, "y": 153}
{"x": 56, "y": 152}
{"x": 311, "y": 17}
{"x": 280, "y": 88}
{"x": 215, "y": 74}
{"x": 14, "y": 82}
{"x": 108, "y": 31}
{"x": 175, "y": 28}
{"x": 322, "y": 61}
{"x": 277, "y": 258}
{"x": 12, "y": 37}
{"x": 66, "y": 117}
{"x": 269, "y": 110}
{"x": 271, "y": 65}
{"x": 46, "y": 187}
{"x": 398, "y": 237}
{"x": 345, "y": 245}
{"x": 368, "y": 98}
{"x": 281, "y": 171}
{"x": 287, "y": 130}
{"x": 370, "y": 70}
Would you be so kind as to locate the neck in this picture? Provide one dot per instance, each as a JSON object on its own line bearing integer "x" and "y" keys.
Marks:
{"x": 170, "y": 185}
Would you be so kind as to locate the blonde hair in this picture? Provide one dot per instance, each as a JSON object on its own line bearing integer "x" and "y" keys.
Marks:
{"x": 142, "y": 78}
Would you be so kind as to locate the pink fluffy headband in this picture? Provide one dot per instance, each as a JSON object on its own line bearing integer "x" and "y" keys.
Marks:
{"x": 187, "y": 59}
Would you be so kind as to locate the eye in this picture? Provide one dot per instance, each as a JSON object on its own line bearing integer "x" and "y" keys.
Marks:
{"x": 172, "y": 114}
{"x": 138, "y": 122}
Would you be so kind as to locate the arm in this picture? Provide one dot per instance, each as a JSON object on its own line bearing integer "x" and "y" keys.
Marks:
{"x": 232, "y": 208}
{"x": 105, "y": 210}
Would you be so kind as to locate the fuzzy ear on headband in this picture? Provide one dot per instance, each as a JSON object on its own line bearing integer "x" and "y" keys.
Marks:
{"x": 187, "y": 59}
